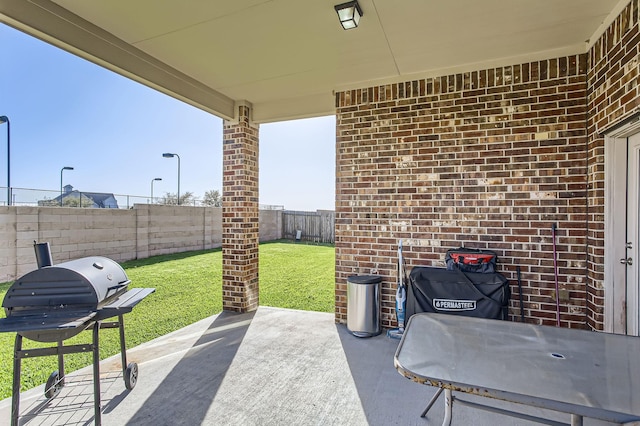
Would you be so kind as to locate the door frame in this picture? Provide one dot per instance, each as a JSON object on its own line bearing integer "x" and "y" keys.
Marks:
{"x": 615, "y": 189}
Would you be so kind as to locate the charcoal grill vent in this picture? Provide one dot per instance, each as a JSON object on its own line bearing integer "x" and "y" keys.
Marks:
{"x": 43, "y": 294}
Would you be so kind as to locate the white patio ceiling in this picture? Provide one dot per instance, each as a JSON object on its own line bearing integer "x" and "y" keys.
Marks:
{"x": 287, "y": 57}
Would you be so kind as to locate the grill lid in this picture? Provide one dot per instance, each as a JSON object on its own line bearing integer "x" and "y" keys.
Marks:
{"x": 89, "y": 282}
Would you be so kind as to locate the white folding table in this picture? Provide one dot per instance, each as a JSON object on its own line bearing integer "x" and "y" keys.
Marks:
{"x": 579, "y": 372}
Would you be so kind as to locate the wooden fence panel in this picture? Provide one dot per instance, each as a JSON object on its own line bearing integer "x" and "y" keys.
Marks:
{"x": 318, "y": 227}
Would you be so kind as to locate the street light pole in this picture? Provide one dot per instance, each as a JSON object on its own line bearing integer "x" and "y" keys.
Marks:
{"x": 62, "y": 170}
{"x": 5, "y": 119}
{"x": 170, "y": 155}
{"x": 153, "y": 180}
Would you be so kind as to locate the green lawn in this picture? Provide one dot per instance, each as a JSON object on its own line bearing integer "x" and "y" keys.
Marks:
{"x": 188, "y": 289}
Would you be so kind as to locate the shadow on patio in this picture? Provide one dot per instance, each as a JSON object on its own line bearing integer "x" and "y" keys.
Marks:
{"x": 270, "y": 367}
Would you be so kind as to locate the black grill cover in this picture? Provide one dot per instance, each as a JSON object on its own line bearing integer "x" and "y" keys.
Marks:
{"x": 454, "y": 292}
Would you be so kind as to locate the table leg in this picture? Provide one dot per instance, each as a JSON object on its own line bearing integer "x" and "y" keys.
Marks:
{"x": 432, "y": 401}
{"x": 448, "y": 407}
{"x": 576, "y": 420}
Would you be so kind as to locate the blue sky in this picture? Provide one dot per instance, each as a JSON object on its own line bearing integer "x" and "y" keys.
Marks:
{"x": 65, "y": 111}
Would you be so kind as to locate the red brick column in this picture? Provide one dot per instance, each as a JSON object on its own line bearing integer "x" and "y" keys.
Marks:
{"x": 240, "y": 216}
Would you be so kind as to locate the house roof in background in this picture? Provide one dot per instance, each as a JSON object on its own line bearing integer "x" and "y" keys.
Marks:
{"x": 288, "y": 57}
{"x": 98, "y": 198}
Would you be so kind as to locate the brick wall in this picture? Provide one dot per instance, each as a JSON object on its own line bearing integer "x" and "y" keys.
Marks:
{"x": 145, "y": 230}
{"x": 613, "y": 96}
{"x": 485, "y": 159}
{"x": 240, "y": 227}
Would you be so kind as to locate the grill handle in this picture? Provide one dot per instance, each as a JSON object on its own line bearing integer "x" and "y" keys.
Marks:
{"x": 118, "y": 286}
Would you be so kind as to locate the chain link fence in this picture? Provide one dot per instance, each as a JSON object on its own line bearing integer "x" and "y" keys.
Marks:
{"x": 85, "y": 199}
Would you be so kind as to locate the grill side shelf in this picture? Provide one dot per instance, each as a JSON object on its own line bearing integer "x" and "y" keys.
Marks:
{"x": 124, "y": 303}
{"x": 66, "y": 320}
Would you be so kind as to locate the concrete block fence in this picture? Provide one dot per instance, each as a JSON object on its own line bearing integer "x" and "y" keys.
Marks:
{"x": 143, "y": 231}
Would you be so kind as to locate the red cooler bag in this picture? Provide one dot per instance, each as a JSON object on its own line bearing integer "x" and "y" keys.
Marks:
{"x": 471, "y": 260}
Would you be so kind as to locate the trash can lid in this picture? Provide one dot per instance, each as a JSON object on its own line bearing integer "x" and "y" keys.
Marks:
{"x": 364, "y": 279}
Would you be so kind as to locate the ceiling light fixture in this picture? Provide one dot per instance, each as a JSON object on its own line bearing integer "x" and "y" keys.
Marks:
{"x": 349, "y": 14}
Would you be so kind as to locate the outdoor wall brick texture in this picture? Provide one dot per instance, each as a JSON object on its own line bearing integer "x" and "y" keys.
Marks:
{"x": 145, "y": 230}
{"x": 612, "y": 97}
{"x": 240, "y": 219}
{"x": 484, "y": 159}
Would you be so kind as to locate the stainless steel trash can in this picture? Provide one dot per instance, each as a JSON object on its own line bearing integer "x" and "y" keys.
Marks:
{"x": 363, "y": 305}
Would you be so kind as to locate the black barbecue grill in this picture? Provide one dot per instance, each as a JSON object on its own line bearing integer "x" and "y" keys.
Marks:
{"x": 54, "y": 303}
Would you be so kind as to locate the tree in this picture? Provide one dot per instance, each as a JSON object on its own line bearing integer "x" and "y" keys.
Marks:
{"x": 172, "y": 199}
{"x": 80, "y": 201}
{"x": 212, "y": 198}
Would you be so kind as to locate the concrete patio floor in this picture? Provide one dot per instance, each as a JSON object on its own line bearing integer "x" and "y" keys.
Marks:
{"x": 269, "y": 367}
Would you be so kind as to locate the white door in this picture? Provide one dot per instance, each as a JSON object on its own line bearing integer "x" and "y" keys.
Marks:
{"x": 632, "y": 260}
{"x": 622, "y": 231}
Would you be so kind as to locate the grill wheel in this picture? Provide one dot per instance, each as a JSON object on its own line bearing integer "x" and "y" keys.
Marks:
{"x": 53, "y": 386}
{"x": 131, "y": 376}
